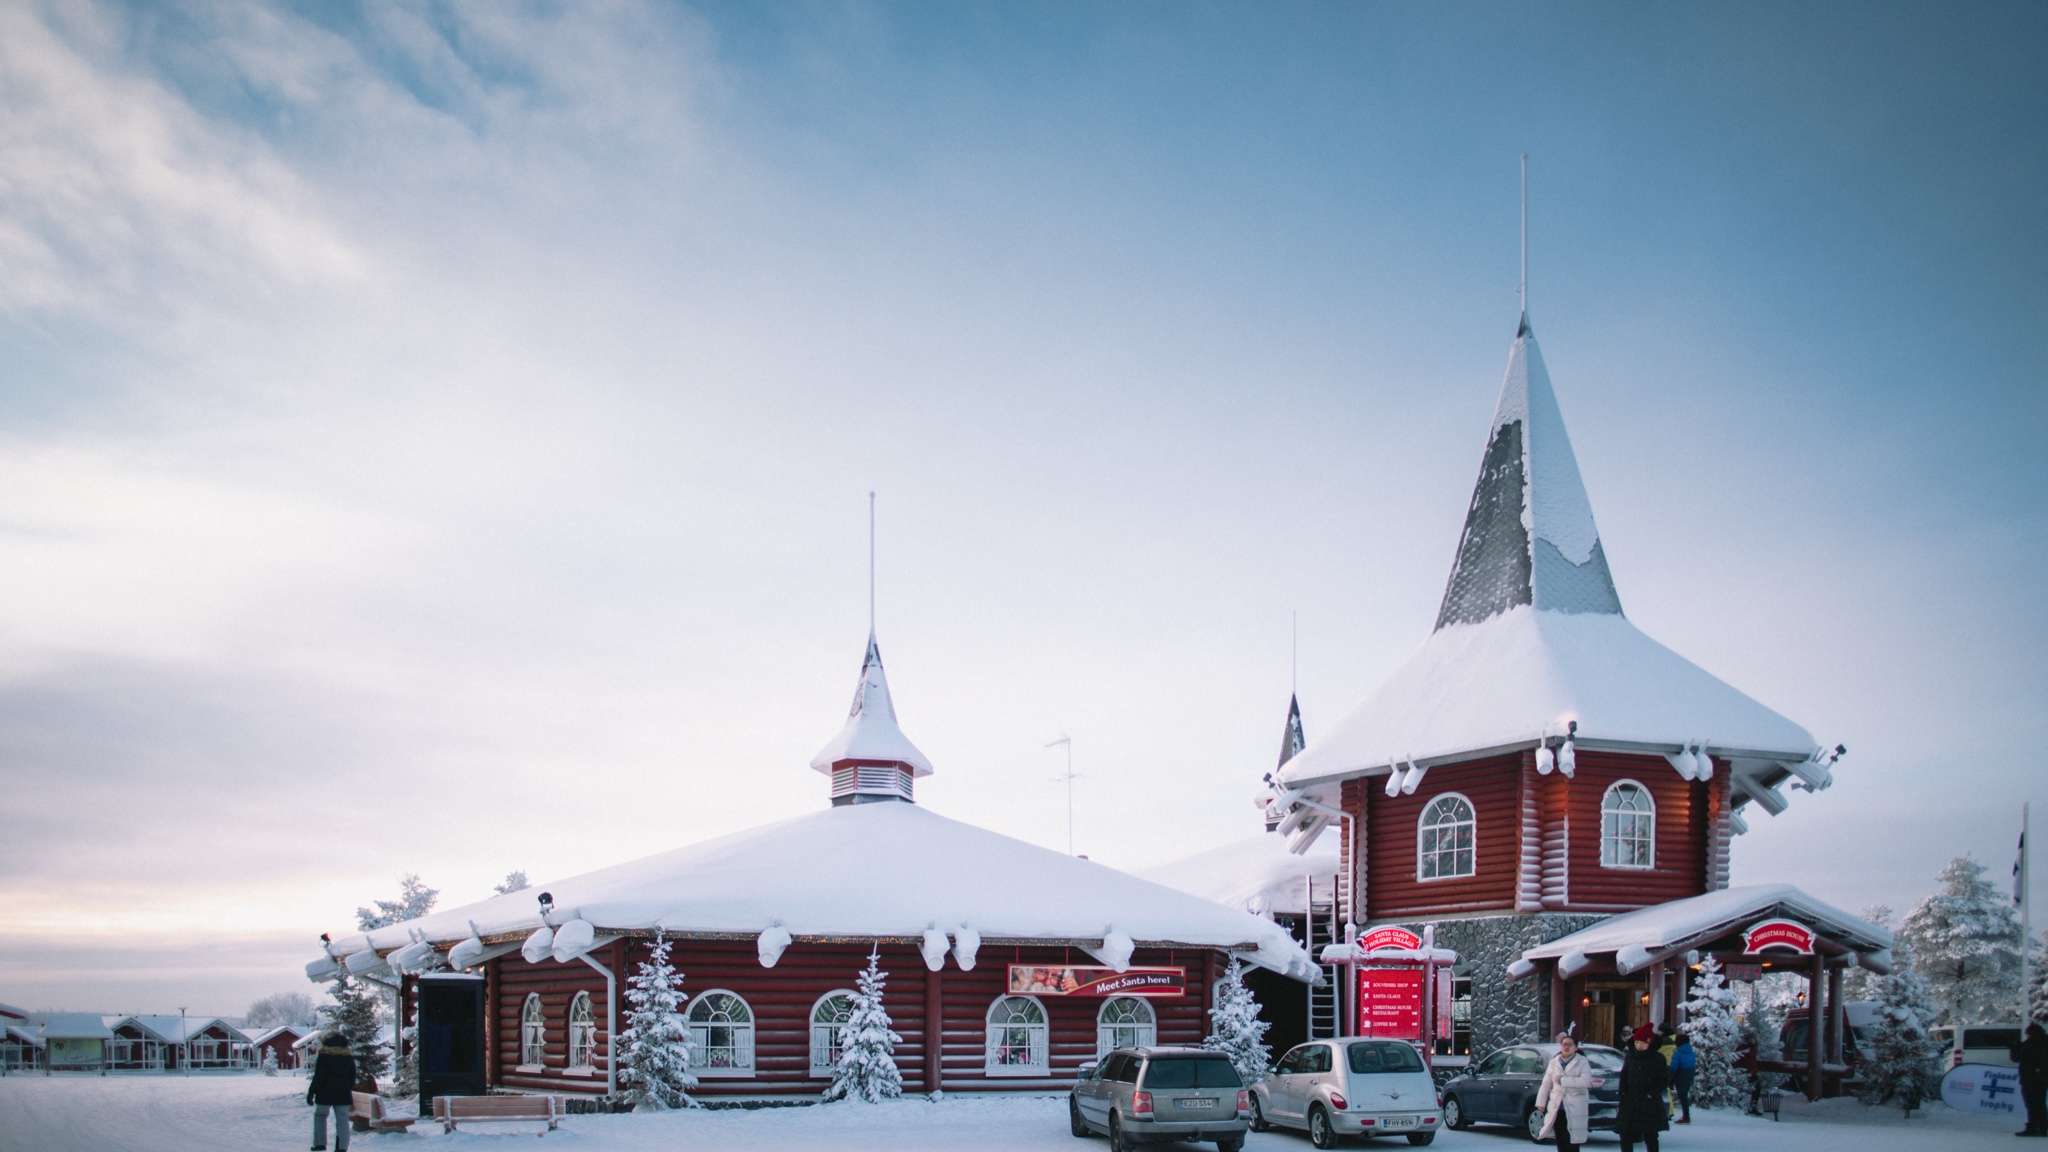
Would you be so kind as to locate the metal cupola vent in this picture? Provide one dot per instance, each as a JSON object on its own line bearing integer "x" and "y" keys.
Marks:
{"x": 871, "y": 759}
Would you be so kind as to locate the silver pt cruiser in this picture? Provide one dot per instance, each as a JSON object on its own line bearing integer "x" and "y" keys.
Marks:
{"x": 1138, "y": 1095}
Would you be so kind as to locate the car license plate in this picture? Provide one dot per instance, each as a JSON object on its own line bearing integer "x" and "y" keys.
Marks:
{"x": 1398, "y": 1122}
{"x": 1198, "y": 1102}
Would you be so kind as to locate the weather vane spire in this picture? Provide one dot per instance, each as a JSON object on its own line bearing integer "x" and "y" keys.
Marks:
{"x": 1523, "y": 291}
{"x": 871, "y": 563}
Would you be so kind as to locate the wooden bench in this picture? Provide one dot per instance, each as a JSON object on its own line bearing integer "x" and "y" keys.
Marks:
{"x": 369, "y": 1109}
{"x": 453, "y": 1110}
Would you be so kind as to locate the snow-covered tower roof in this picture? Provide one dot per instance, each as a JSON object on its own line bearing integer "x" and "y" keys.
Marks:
{"x": 871, "y": 759}
{"x": 1530, "y": 644}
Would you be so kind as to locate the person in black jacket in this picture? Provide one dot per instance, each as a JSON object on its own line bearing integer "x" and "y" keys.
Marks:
{"x": 1643, "y": 1079}
{"x": 334, "y": 1078}
{"x": 2031, "y": 1054}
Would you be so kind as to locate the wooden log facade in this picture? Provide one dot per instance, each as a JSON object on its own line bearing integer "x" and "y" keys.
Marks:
{"x": 779, "y": 1002}
{"x": 1536, "y": 839}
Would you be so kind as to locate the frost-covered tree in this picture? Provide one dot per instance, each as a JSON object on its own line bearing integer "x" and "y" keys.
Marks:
{"x": 405, "y": 1077}
{"x": 1235, "y": 1028}
{"x": 356, "y": 1014}
{"x": 281, "y": 1008}
{"x": 1901, "y": 1061}
{"x": 1716, "y": 1034}
{"x": 270, "y": 1061}
{"x": 1965, "y": 940}
{"x": 1860, "y": 983}
{"x": 415, "y": 900}
{"x": 2037, "y": 976}
{"x": 867, "y": 1070}
{"x": 654, "y": 1047}
{"x": 515, "y": 881}
{"x": 1769, "y": 1001}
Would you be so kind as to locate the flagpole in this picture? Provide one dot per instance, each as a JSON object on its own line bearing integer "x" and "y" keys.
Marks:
{"x": 2026, "y": 898}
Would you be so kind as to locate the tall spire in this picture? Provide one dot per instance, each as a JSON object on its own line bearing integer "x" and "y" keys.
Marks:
{"x": 1529, "y": 535}
{"x": 871, "y": 758}
{"x": 1292, "y": 741}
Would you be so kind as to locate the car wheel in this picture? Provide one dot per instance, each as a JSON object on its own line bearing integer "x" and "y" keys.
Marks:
{"x": 1259, "y": 1116}
{"x": 1320, "y": 1133}
{"x": 1075, "y": 1124}
{"x": 1421, "y": 1137}
{"x": 1454, "y": 1114}
{"x": 1234, "y": 1144}
{"x": 1533, "y": 1121}
{"x": 1117, "y": 1142}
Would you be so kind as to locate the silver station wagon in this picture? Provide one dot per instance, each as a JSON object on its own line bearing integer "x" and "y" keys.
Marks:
{"x": 1335, "y": 1088}
{"x": 1141, "y": 1095}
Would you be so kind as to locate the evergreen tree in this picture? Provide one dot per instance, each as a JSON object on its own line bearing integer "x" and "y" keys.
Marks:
{"x": 354, "y": 1014}
{"x": 1235, "y": 1028}
{"x": 515, "y": 881}
{"x": 1901, "y": 1061}
{"x": 1860, "y": 983}
{"x": 1761, "y": 1027}
{"x": 1716, "y": 1035}
{"x": 1965, "y": 940}
{"x": 867, "y": 1048}
{"x": 2038, "y": 977}
{"x": 270, "y": 1061}
{"x": 405, "y": 1078}
{"x": 415, "y": 900}
{"x": 654, "y": 1047}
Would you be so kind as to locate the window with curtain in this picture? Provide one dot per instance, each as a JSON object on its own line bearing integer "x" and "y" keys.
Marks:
{"x": 1628, "y": 827}
{"x": 721, "y": 1035}
{"x": 533, "y": 1034}
{"x": 1124, "y": 1022}
{"x": 1444, "y": 839}
{"x": 828, "y": 1016}
{"x": 582, "y": 1031}
{"x": 1017, "y": 1037}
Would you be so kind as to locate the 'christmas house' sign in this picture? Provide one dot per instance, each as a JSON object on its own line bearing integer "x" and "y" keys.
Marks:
{"x": 1789, "y": 935}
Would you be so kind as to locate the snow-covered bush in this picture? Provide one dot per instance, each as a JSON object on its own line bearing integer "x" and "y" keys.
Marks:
{"x": 357, "y": 1014}
{"x": 270, "y": 1061}
{"x": 1717, "y": 1037}
{"x": 1235, "y": 1028}
{"x": 1965, "y": 940}
{"x": 654, "y": 1047}
{"x": 867, "y": 1070}
{"x": 1901, "y": 1061}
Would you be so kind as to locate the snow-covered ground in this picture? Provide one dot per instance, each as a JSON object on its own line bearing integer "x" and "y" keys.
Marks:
{"x": 233, "y": 1113}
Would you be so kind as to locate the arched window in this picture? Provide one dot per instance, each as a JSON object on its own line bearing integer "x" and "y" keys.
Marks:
{"x": 1016, "y": 1037}
{"x": 582, "y": 1031}
{"x": 533, "y": 1035}
{"x": 1628, "y": 827}
{"x": 828, "y": 1016}
{"x": 1444, "y": 838}
{"x": 722, "y": 1035}
{"x": 1124, "y": 1022}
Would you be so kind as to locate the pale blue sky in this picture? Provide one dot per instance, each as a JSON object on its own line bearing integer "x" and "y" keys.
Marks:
{"x": 438, "y": 437}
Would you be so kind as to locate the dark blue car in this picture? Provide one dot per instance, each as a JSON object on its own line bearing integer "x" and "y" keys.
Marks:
{"x": 1501, "y": 1089}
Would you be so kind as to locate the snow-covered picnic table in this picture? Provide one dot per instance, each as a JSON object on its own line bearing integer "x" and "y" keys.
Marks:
{"x": 250, "y": 1113}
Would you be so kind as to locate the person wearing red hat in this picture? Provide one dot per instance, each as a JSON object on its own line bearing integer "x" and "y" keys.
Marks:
{"x": 1643, "y": 1079}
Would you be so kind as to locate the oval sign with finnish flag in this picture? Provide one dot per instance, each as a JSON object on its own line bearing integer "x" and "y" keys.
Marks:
{"x": 1982, "y": 1088}
{"x": 1785, "y": 935}
{"x": 1389, "y": 937}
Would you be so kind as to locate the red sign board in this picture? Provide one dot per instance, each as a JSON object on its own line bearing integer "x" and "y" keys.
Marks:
{"x": 1087, "y": 980}
{"x": 1389, "y": 938}
{"x": 1390, "y": 1003}
{"x": 1789, "y": 935}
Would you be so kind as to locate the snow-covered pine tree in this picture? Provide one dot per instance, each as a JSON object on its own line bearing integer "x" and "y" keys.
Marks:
{"x": 1235, "y": 1028}
{"x": 354, "y": 1014}
{"x": 270, "y": 1061}
{"x": 405, "y": 1077}
{"x": 515, "y": 881}
{"x": 1768, "y": 1003}
{"x": 1965, "y": 939}
{"x": 1901, "y": 1061}
{"x": 1717, "y": 1037}
{"x": 415, "y": 900}
{"x": 867, "y": 1048}
{"x": 654, "y": 1047}
{"x": 1860, "y": 983}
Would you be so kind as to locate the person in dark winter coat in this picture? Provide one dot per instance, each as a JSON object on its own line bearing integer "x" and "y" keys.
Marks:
{"x": 2031, "y": 1054}
{"x": 334, "y": 1078}
{"x": 1643, "y": 1079}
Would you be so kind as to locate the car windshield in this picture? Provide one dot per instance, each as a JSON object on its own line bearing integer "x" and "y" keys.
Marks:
{"x": 1191, "y": 1072}
{"x": 1384, "y": 1056}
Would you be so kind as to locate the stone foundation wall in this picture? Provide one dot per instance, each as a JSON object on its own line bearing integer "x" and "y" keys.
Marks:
{"x": 1504, "y": 1013}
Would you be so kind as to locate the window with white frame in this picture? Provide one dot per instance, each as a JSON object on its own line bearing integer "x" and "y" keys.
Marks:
{"x": 1124, "y": 1022}
{"x": 1444, "y": 838}
{"x": 1017, "y": 1037}
{"x": 721, "y": 1035}
{"x": 533, "y": 1035}
{"x": 828, "y": 1017}
{"x": 1628, "y": 827}
{"x": 582, "y": 1032}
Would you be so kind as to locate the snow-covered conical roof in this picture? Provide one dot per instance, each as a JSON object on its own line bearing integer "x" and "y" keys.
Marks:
{"x": 870, "y": 733}
{"x": 1531, "y": 636}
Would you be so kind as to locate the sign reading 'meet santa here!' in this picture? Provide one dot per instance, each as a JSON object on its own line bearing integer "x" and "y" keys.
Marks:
{"x": 1089, "y": 980}
{"x": 1785, "y": 935}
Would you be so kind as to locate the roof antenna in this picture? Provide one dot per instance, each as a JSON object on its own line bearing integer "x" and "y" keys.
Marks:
{"x": 871, "y": 563}
{"x": 1523, "y": 290}
{"x": 1294, "y": 665}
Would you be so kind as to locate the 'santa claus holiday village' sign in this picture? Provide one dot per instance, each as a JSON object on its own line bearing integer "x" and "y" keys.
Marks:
{"x": 1389, "y": 937}
{"x": 1089, "y": 980}
{"x": 1787, "y": 935}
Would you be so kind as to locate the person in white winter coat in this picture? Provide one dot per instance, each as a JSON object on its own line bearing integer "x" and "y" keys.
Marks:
{"x": 1567, "y": 1084}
